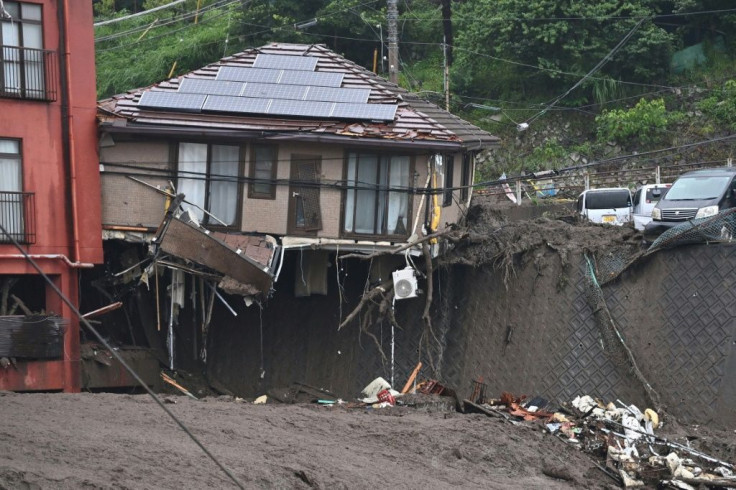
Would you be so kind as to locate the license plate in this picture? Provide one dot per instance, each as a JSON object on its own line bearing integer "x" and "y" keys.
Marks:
{"x": 609, "y": 219}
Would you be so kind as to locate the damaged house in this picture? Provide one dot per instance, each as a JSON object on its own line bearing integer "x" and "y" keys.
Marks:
{"x": 245, "y": 181}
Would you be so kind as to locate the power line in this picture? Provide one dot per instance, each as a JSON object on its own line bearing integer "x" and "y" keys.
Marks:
{"x": 182, "y": 17}
{"x": 597, "y": 67}
{"x": 596, "y": 18}
{"x": 138, "y": 14}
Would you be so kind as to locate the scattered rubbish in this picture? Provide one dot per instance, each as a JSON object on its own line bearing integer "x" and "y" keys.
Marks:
{"x": 374, "y": 389}
{"x": 622, "y": 436}
{"x": 300, "y": 393}
{"x": 261, "y": 400}
{"x": 385, "y": 396}
{"x": 176, "y": 385}
{"x": 412, "y": 379}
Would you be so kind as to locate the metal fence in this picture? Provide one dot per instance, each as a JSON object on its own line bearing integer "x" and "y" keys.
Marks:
{"x": 568, "y": 185}
{"x": 18, "y": 216}
{"x": 27, "y": 73}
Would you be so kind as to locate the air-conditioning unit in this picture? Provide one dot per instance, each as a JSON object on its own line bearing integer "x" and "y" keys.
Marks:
{"x": 405, "y": 283}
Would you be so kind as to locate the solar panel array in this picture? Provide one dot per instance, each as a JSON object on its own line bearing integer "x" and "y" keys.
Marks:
{"x": 274, "y": 85}
{"x": 303, "y": 63}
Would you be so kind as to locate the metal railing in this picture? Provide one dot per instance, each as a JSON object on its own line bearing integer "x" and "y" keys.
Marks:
{"x": 18, "y": 216}
{"x": 27, "y": 73}
{"x": 569, "y": 185}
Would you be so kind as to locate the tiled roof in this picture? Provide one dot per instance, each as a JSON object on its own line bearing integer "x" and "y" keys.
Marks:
{"x": 416, "y": 119}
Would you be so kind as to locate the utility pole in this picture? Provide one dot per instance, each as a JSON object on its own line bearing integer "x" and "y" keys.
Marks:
{"x": 446, "y": 75}
{"x": 393, "y": 42}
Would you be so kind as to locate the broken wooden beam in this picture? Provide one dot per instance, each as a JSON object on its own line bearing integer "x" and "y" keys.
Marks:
{"x": 103, "y": 310}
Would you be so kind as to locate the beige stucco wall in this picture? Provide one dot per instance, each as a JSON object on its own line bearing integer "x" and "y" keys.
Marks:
{"x": 124, "y": 201}
{"x": 128, "y": 203}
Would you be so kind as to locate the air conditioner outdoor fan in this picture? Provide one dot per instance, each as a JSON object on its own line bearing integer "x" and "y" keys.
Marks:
{"x": 405, "y": 283}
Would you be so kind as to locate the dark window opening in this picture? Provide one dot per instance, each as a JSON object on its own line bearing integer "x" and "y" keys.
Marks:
{"x": 449, "y": 164}
{"x": 465, "y": 176}
{"x": 263, "y": 165}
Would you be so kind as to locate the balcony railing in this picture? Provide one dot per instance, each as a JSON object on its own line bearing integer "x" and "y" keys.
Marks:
{"x": 18, "y": 216}
{"x": 27, "y": 73}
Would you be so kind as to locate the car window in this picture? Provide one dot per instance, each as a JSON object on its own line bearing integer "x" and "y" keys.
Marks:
{"x": 608, "y": 199}
{"x": 654, "y": 195}
{"x": 637, "y": 196}
{"x": 691, "y": 188}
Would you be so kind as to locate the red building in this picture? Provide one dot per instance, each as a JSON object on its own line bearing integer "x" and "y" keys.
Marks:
{"x": 49, "y": 179}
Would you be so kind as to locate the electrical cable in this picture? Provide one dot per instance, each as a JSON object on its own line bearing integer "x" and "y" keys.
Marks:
{"x": 597, "y": 67}
{"x": 117, "y": 356}
{"x": 138, "y": 14}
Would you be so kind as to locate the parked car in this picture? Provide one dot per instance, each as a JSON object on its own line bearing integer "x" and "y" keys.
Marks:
{"x": 696, "y": 194}
{"x": 645, "y": 198}
{"x": 611, "y": 206}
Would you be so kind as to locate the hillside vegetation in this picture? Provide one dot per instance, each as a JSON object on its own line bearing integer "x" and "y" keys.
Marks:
{"x": 613, "y": 73}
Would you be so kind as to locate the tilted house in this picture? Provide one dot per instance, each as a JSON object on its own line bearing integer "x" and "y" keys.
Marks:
{"x": 288, "y": 141}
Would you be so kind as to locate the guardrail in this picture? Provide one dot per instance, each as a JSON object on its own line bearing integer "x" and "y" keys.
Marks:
{"x": 27, "y": 73}
{"x": 18, "y": 216}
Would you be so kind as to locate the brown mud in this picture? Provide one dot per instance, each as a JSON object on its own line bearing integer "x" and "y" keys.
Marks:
{"x": 64, "y": 441}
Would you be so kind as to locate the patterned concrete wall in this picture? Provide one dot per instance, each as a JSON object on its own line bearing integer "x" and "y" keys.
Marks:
{"x": 536, "y": 337}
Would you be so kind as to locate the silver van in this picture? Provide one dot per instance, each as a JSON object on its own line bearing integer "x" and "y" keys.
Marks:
{"x": 645, "y": 198}
{"x": 612, "y": 205}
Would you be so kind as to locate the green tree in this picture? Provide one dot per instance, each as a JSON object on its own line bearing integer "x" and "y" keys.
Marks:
{"x": 553, "y": 36}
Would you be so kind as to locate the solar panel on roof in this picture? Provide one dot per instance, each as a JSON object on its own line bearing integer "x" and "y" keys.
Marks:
{"x": 210, "y": 87}
{"x": 302, "y": 63}
{"x": 274, "y": 91}
{"x": 319, "y": 78}
{"x": 300, "y": 108}
{"x": 219, "y": 103}
{"x": 369, "y": 112}
{"x": 331, "y": 94}
{"x": 172, "y": 100}
{"x": 242, "y": 74}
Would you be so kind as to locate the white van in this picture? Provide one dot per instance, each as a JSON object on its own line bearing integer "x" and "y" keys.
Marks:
{"x": 645, "y": 198}
{"x": 611, "y": 205}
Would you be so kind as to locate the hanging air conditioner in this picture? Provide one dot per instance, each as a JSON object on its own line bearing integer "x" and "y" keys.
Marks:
{"x": 405, "y": 283}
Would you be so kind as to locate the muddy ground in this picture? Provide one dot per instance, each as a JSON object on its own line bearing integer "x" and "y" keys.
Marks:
{"x": 126, "y": 441}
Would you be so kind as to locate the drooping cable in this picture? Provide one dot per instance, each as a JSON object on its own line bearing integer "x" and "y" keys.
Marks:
{"x": 117, "y": 356}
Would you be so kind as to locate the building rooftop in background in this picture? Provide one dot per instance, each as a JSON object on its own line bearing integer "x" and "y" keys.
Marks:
{"x": 296, "y": 91}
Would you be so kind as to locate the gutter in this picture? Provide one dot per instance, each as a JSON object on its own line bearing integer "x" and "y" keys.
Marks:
{"x": 64, "y": 258}
{"x": 67, "y": 132}
{"x": 148, "y": 130}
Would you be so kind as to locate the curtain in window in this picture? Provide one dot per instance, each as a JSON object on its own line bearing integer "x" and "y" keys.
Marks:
{"x": 398, "y": 202}
{"x": 10, "y": 56}
{"x": 192, "y": 176}
{"x": 11, "y": 181}
{"x": 365, "y": 196}
{"x": 350, "y": 194}
{"x": 33, "y": 60}
{"x": 223, "y": 182}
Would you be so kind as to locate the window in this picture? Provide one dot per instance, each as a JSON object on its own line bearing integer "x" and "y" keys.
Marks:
{"x": 263, "y": 172}
{"x": 377, "y": 199}
{"x": 466, "y": 176}
{"x": 208, "y": 177}
{"x": 12, "y": 200}
{"x": 449, "y": 174}
{"x": 22, "y": 57}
